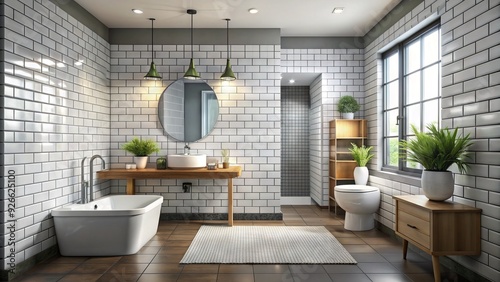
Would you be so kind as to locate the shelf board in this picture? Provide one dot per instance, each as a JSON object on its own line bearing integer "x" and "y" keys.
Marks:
{"x": 344, "y": 178}
{"x": 346, "y": 161}
{"x": 346, "y": 137}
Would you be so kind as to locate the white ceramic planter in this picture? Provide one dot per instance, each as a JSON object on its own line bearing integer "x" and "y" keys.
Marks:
{"x": 361, "y": 175}
{"x": 348, "y": 115}
{"x": 141, "y": 162}
{"x": 437, "y": 185}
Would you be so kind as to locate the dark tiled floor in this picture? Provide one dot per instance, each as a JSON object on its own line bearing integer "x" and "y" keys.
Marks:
{"x": 379, "y": 258}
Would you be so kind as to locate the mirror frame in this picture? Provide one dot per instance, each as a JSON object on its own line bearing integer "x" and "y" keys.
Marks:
{"x": 204, "y": 111}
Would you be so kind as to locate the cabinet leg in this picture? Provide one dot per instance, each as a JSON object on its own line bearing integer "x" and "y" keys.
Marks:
{"x": 435, "y": 267}
{"x": 130, "y": 186}
{"x": 405, "y": 248}
{"x": 230, "y": 201}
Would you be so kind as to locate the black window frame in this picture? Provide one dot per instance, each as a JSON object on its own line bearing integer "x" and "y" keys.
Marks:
{"x": 400, "y": 48}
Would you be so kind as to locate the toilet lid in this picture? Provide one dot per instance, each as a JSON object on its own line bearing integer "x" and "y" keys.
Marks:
{"x": 355, "y": 188}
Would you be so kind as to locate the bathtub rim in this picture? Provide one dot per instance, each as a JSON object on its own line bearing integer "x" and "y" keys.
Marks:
{"x": 67, "y": 211}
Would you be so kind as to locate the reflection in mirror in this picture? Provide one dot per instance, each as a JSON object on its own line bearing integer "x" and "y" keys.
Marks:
{"x": 188, "y": 110}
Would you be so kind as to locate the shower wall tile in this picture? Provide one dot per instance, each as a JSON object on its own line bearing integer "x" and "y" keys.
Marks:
{"x": 295, "y": 104}
{"x": 469, "y": 89}
{"x": 54, "y": 114}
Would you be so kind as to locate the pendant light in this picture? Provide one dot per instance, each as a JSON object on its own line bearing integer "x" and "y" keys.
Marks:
{"x": 228, "y": 72}
{"x": 152, "y": 73}
{"x": 191, "y": 73}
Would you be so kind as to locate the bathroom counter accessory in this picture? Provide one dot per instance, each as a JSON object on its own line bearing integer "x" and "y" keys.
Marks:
{"x": 201, "y": 173}
{"x": 438, "y": 228}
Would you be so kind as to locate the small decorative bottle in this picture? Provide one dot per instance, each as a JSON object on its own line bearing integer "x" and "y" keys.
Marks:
{"x": 161, "y": 163}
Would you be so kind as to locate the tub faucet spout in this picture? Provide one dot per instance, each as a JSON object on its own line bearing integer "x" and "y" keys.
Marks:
{"x": 91, "y": 184}
{"x": 187, "y": 149}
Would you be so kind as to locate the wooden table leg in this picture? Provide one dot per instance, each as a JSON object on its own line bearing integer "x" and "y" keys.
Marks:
{"x": 230, "y": 201}
{"x": 435, "y": 267}
{"x": 130, "y": 186}
{"x": 405, "y": 248}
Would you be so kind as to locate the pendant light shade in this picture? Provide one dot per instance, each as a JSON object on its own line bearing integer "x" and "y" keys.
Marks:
{"x": 191, "y": 72}
{"x": 228, "y": 72}
{"x": 152, "y": 73}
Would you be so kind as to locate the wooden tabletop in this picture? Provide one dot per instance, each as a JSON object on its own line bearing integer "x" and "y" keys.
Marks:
{"x": 423, "y": 201}
{"x": 149, "y": 173}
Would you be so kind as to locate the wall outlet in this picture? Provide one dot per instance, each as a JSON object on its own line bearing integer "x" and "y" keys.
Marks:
{"x": 186, "y": 186}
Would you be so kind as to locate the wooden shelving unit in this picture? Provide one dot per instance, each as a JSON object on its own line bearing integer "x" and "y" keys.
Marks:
{"x": 343, "y": 132}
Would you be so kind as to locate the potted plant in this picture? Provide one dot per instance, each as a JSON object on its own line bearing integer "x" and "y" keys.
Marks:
{"x": 436, "y": 151}
{"x": 348, "y": 106}
{"x": 141, "y": 150}
{"x": 362, "y": 156}
{"x": 225, "y": 158}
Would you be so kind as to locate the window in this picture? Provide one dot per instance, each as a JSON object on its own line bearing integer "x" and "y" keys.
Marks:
{"x": 411, "y": 92}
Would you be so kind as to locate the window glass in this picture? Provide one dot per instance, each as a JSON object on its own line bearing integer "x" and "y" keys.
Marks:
{"x": 412, "y": 58}
{"x": 430, "y": 80}
{"x": 392, "y": 95}
{"x": 392, "y": 67}
{"x": 431, "y": 52}
{"x": 413, "y": 88}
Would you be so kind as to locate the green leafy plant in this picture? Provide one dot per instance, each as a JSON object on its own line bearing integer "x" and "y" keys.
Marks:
{"x": 141, "y": 148}
{"x": 347, "y": 104}
{"x": 437, "y": 149}
{"x": 225, "y": 155}
{"x": 361, "y": 154}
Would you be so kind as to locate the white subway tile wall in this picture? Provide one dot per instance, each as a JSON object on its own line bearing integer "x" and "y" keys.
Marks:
{"x": 316, "y": 173}
{"x": 470, "y": 56}
{"x": 56, "y": 112}
{"x": 248, "y": 125}
{"x": 342, "y": 73}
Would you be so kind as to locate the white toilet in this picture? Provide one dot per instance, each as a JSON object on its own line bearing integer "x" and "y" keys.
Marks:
{"x": 359, "y": 203}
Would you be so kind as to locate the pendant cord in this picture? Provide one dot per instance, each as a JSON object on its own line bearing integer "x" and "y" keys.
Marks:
{"x": 191, "y": 36}
{"x": 152, "y": 40}
{"x": 227, "y": 36}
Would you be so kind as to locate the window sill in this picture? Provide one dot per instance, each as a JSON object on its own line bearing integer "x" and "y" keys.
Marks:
{"x": 398, "y": 177}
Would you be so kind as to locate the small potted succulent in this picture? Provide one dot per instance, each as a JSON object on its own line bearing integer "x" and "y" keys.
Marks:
{"x": 225, "y": 158}
{"x": 362, "y": 156}
{"x": 436, "y": 150}
{"x": 141, "y": 150}
{"x": 347, "y": 106}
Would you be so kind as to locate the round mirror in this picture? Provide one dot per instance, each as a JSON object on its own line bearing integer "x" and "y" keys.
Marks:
{"x": 188, "y": 110}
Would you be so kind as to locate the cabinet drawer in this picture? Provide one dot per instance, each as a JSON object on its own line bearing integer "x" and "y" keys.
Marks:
{"x": 414, "y": 223}
{"x": 414, "y": 210}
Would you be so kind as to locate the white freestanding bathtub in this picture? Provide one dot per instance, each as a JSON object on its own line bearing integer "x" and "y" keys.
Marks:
{"x": 109, "y": 226}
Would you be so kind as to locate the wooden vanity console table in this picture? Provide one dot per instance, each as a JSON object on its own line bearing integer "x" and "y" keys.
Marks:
{"x": 149, "y": 173}
{"x": 438, "y": 228}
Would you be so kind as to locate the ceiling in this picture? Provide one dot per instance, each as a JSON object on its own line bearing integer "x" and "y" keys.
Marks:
{"x": 293, "y": 17}
{"x": 298, "y": 79}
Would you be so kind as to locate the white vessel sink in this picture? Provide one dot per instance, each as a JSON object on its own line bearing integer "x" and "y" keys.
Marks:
{"x": 187, "y": 161}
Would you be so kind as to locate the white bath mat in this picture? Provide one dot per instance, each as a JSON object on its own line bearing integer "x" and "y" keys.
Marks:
{"x": 266, "y": 244}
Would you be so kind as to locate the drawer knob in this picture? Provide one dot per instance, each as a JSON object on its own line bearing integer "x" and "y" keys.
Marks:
{"x": 412, "y": 226}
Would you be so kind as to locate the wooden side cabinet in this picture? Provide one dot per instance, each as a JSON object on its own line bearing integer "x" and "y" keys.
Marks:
{"x": 438, "y": 228}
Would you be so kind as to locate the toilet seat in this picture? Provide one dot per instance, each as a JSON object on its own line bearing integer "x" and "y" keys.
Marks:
{"x": 355, "y": 188}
